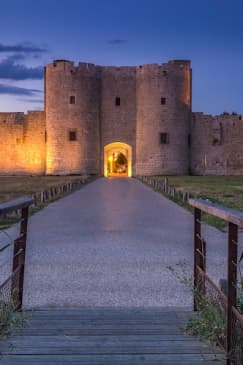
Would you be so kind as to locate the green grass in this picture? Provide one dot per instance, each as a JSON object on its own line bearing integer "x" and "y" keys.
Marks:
{"x": 12, "y": 187}
{"x": 10, "y": 320}
{"x": 224, "y": 190}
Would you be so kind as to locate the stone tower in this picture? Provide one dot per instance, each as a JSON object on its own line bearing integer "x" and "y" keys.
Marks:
{"x": 72, "y": 105}
{"x": 163, "y": 118}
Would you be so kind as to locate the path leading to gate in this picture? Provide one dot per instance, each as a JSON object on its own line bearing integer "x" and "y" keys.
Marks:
{"x": 110, "y": 244}
{"x": 97, "y": 266}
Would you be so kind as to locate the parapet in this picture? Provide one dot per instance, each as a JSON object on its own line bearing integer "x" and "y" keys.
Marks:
{"x": 119, "y": 71}
{"x": 34, "y": 112}
{"x": 12, "y": 117}
{"x": 70, "y": 67}
{"x": 180, "y": 62}
{"x": 163, "y": 69}
{"x": 224, "y": 115}
{"x": 60, "y": 64}
{"x": 19, "y": 117}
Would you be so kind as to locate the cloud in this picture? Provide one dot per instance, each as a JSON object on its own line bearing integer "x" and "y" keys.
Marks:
{"x": 11, "y": 69}
{"x": 116, "y": 42}
{"x": 15, "y": 90}
{"x": 39, "y": 101}
{"x": 22, "y": 47}
{"x": 14, "y": 57}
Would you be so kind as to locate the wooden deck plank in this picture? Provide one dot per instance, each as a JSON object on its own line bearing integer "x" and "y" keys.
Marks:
{"x": 148, "y": 359}
{"x": 111, "y": 312}
{"x": 106, "y": 337}
{"x": 93, "y": 337}
{"x": 116, "y": 324}
{"x": 126, "y": 330}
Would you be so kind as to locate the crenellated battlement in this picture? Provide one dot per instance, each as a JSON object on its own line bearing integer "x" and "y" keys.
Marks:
{"x": 234, "y": 117}
{"x": 16, "y": 118}
{"x": 146, "y": 108}
{"x": 65, "y": 65}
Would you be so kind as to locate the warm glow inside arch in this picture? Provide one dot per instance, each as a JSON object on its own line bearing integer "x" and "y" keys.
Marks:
{"x": 118, "y": 159}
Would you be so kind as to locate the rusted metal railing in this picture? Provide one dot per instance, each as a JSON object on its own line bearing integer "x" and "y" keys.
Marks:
{"x": 11, "y": 289}
{"x": 232, "y": 340}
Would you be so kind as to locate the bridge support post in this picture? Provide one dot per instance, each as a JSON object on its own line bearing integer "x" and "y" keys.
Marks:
{"x": 18, "y": 264}
{"x": 197, "y": 236}
{"x": 199, "y": 259}
{"x": 232, "y": 285}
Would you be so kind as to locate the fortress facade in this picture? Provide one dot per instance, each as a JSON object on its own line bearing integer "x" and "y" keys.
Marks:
{"x": 120, "y": 121}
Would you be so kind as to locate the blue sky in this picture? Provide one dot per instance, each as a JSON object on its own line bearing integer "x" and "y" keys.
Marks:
{"x": 115, "y": 32}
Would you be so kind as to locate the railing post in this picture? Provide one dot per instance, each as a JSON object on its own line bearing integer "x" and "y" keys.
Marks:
{"x": 197, "y": 235}
{"x": 202, "y": 265}
{"x": 19, "y": 258}
{"x": 232, "y": 283}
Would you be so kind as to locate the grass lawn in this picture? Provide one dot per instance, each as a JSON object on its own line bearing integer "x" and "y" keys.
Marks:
{"x": 15, "y": 186}
{"x": 224, "y": 190}
{"x": 12, "y": 187}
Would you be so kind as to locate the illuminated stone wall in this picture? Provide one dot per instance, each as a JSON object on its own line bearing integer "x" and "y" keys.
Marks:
{"x": 22, "y": 143}
{"x": 216, "y": 144}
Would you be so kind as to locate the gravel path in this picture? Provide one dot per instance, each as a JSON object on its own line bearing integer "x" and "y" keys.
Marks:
{"x": 110, "y": 244}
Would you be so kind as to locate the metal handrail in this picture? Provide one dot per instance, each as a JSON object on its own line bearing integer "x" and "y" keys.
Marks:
{"x": 235, "y": 220}
{"x": 18, "y": 261}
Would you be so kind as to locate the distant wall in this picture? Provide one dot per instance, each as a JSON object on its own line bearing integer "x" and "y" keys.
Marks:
{"x": 216, "y": 144}
{"x": 22, "y": 143}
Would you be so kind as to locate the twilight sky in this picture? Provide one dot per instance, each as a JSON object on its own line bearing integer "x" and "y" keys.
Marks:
{"x": 123, "y": 32}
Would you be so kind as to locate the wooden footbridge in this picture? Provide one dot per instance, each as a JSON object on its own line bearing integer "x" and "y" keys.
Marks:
{"x": 119, "y": 336}
{"x": 106, "y": 336}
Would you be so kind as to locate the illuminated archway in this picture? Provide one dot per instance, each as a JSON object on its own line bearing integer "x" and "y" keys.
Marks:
{"x": 118, "y": 159}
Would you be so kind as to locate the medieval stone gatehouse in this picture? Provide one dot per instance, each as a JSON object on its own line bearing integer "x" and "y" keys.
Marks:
{"x": 119, "y": 121}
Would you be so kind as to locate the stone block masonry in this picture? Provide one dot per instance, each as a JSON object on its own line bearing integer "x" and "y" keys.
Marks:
{"x": 22, "y": 143}
{"x": 129, "y": 105}
{"x": 163, "y": 109}
{"x": 216, "y": 144}
{"x": 145, "y": 109}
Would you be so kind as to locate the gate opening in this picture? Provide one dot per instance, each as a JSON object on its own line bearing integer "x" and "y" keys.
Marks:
{"x": 118, "y": 160}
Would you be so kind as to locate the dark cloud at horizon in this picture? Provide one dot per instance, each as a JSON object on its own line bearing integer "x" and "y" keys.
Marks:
{"x": 118, "y": 41}
{"x": 11, "y": 69}
{"x": 15, "y": 90}
{"x": 14, "y": 57}
{"x": 40, "y": 101}
{"x": 22, "y": 48}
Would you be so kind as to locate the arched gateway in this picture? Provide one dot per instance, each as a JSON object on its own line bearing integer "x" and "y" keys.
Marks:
{"x": 118, "y": 159}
